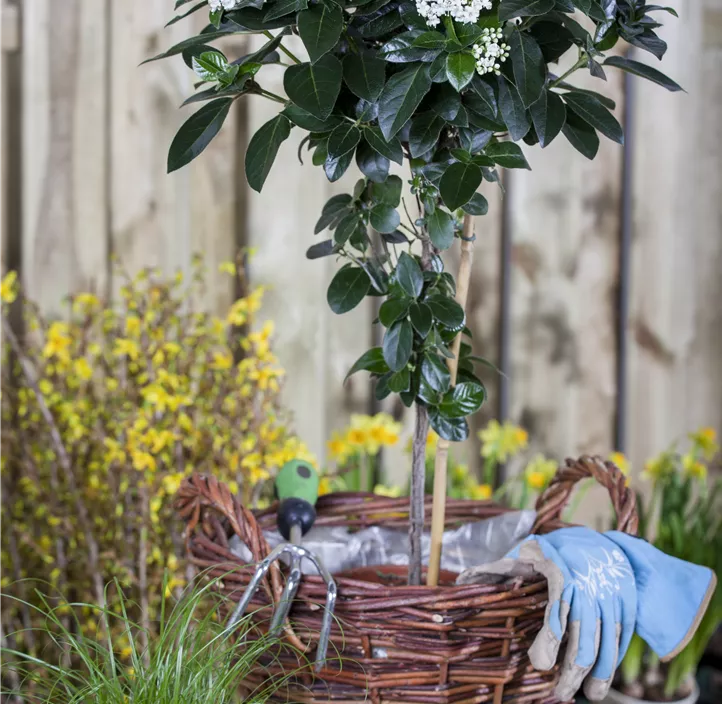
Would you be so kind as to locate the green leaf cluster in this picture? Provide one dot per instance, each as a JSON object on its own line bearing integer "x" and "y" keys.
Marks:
{"x": 375, "y": 84}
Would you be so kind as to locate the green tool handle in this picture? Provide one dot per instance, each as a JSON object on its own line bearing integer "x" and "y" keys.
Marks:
{"x": 297, "y": 489}
{"x": 297, "y": 480}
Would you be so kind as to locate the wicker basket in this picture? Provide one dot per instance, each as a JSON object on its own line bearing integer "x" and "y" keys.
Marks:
{"x": 401, "y": 644}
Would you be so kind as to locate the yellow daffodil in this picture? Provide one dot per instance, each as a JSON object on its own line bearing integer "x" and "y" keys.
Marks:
{"x": 338, "y": 448}
{"x": 620, "y": 459}
{"x": 659, "y": 467}
{"x": 9, "y": 288}
{"x": 500, "y": 442}
{"x": 539, "y": 472}
{"x": 693, "y": 468}
{"x": 481, "y": 492}
{"x": 391, "y": 491}
{"x": 324, "y": 486}
{"x": 706, "y": 440}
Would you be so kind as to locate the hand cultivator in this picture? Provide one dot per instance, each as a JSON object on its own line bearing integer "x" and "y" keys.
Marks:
{"x": 297, "y": 489}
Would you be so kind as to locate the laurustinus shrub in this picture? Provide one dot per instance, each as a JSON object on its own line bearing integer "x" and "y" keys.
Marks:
{"x": 104, "y": 413}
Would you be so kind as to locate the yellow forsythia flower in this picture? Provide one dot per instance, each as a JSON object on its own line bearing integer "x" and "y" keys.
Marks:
{"x": 58, "y": 341}
{"x": 8, "y": 288}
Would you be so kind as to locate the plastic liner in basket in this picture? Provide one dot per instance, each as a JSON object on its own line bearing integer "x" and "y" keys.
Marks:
{"x": 469, "y": 545}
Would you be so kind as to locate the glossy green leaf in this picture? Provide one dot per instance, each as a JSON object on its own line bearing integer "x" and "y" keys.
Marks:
{"x": 370, "y": 361}
{"x": 197, "y": 132}
{"x": 593, "y": 112}
{"x": 460, "y": 69}
{"x": 322, "y": 249}
{"x": 372, "y": 165}
{"x": 430, "y": 40}
{"x": 400, "y": 97}
{"x": 305, "y": 120}
{"x": 441, "y": 228}
{"x": 365, "y": 75}
{"x": 281, "y": 8}
{"x": 391, "y": 148}
{"x": 435, "y": 372}
{"x": 346, "y": 228}
{"x": 528, "y": 65}
{"x": 392, "y": 309}
{"x": 459, "y": 183}
{"x": 343, "y": 139}
{"x": 451, "y": 429}
{"x": 263, "y": 148}
{"x": 398, "y": 345}
{"x": 409, "y": 275}
{"x": 384, "y": 218}
{"x": 447, "y": 311}
{"x": 336, "y": 167}
{"x": 512, "y": 110}
{"x": 425, "y": 131}
{"x": 581, "y": 135}
{"x": 485, "y": 88}
{"x": 478, "y": 205}
{"x": 509, "y": 9}
{"x": 388, "y": 192}
{"x": 314, "y": 87}
{"x": 468, "y": 33}
{"x": 548, "y": 115}
{"x": 637, "y": 68}
{"x": 336, "y": 207}
{"x": 463, "y": 400}
{"x": 508, "y": 155}
{"x": 347, "y": 289}
{"x": 421, "y": 318}
{"x": 400, "y": 381}
{"x": 320, "y": 28}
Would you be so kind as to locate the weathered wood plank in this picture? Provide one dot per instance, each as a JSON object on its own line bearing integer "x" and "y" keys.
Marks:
{"x": 158, "y": 219}
{"x": 675, "y": 374}
{"x": 65, "y": 159}
{"x": 279, "y": 227}
{"x": 9, "y": 153}
{"x": 564, "y": 220}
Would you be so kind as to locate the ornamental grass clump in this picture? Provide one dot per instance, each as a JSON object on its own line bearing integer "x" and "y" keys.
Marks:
{"x": 446, "y": 89}
{"x": 104, "y": 413}
{"x": 191, "y": 657}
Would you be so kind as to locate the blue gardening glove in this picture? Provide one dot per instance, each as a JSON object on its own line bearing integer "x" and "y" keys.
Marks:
{"x": 602, "y": 588}
{"x": 663, "y": 582}
{"x": 592, "y": 598}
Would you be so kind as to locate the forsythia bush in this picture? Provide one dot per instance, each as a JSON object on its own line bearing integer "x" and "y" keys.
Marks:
{"x": 141, "y": 394}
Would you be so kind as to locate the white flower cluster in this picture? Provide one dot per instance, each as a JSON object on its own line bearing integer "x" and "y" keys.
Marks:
{"x": 225, "y": 4}
{"x": 461, "y": 10}
{"x": 490, "y": 52}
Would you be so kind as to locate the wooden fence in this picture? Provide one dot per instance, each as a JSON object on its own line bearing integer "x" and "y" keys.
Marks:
{"x": 597, "y": 286}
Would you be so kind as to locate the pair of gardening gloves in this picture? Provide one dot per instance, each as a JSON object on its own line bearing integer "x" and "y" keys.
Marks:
{"x": 603, "y": 587}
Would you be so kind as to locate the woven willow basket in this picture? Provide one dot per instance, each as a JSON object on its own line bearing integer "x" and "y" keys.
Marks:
{"x": 392, "y": 642}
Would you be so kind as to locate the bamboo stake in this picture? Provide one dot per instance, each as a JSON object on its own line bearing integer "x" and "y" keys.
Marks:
{"x": 438, "y": 514}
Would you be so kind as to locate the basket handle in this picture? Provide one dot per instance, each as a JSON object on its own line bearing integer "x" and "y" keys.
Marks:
{"x": 554, "y": 498}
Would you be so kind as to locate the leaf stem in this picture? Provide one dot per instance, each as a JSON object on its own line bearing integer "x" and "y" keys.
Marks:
{"x": 271, "y": 96}
{"x": 288, "y": 53}
{"x": 580, "y": 63}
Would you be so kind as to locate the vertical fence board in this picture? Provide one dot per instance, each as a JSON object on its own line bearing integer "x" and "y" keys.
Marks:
{"x": 8, "y": 118}
{"x": 64, "y": 149}
{"x": 280, "y": 225}
{"x": 564, "y": 267}
{"x": 675, "y": 375}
